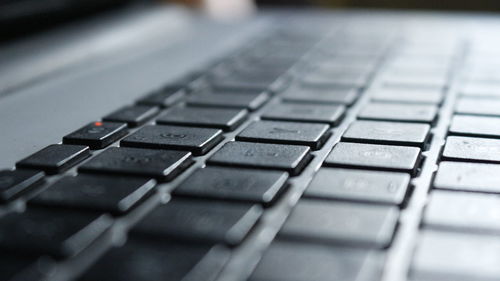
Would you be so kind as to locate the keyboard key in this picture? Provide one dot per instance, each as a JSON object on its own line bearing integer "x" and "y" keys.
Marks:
{"x": 372, "y": 156}
{"x": 247, "y": 82}
{"x": 360, "y": 186}
{"x": 448, "y": 256}
{"x": 475, "y": 126}
{"x": 399, "y": 112}
{"x": 250, "y": 101}
{"x": 55, "y": 158}
{"x": 15, "y": 267}
{"x": 97, "y": 135}
{"x": 468, "y": 177}
{"x": 14, "y": 183}
{"x": 314, "y": 113}
{"x": 408, "y": 95}
{"x": 345, "y": 96}
{"x": 58, "y": 233}
{"x": 472, "y": 149}
{"x": 305, "y": 262}
{"x": 340, "y": 222}
{"x": 480, "y": 90}
{"x": 158, "y": 260}
{"x": 290, "y": 158}
{"x": 475, "y": 106}
{"x": 200, "y": 221}
{"x": 256, "y": 186}
{"x": 197, "y": 140}
{"x": 160, "y": 164}
{"x": 334, "y": 79}
{"x": 225, "y": 119}
{"x": 134, "y": 115}
{"x": 463, "y": 211}
{"x": 116, "y": 195}
{"x": 388, "y": 133}
{"x": 164, "y": 97}
{"x": 313, "y": 135}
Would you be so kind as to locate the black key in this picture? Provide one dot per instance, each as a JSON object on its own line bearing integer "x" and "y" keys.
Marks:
{"x": 463, "y": 211}
{"x": 291, "y": 158}
{"x": 248, "y": 101}
{"x": 477, "y": 106}
{"x": 197, "y": 140}
{"x": 399, "y": 112}
{"x": 475, "y": 126}
{"x": 158, "y": 260}
{"x": 97, "y": 135}
{"x": 164, "y": 97}
{"x": 472, "y": 149}
{"x": 408, "y": 95}
{"x": 200, "y": 221}
{"x": 468, "y": 177}
{"x": 313, "y": 135}
{"x": 388, "y": 133}
{"x": 58, "y": 233}
{"x": 225, "y": 119}
{"x": 15, "y": 267}
{"x": 373, "y": 156}
{"x": 256, "y": 186}
{"x": 14, "y": 183}
{"x": 134, "y": 115}
{"x": 116, "y": 195}
{"x": 341, "y": 222}
{"x": 345, "y": 96}
{"x": 160, "y": 164}
{"x": 315, "y": 113}
{"x": 286, "y": 260}
{"x": 55, "y": 158}
{"x": 361, "y": 186}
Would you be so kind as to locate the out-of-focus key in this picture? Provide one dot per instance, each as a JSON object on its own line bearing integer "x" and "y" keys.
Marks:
{"x": 164, "y": 97}
{"x": 317, "y": 113}
{"x": 345, "y": 96}
{"x": 250, "y": 101}
{"x": 220, "y": 118}
{"x": 408, "y": 95}
{"x": 475, "y": 126}
{"x": 134, "y": 115}
{"x": 14, "y": 183}
{"x": 55, "y": 158}
{"x": 468, "y": 177}
{"x": 399, "y": 112}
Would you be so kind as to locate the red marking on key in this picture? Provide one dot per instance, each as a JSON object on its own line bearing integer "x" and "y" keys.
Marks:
{"x": 98, "y": 124}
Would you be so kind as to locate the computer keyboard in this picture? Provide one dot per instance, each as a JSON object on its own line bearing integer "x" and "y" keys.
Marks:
{"x": 308, "y": 154}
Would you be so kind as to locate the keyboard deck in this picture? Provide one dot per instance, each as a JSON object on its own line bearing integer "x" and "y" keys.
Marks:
{"x": 349, "y": 148}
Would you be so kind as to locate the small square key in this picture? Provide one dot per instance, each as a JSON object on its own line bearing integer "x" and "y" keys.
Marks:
{"x": 14, "y": 183}
{"x": 250, "y": 101}
{"x": 388, "y": 133}
{"x": 472, "y": 149}
{"x": 55, "y": 158}
{"x": 197, "y": 140}
{"x": 165, "y": 97}
{"x": 220, "y": 118}
{"x": 480, "y": 126}
{"x": 372, "y": 156}
{"x": 257, "y": 186}
{"x": 313, "y": 135}
{"x": 345, "y": 96}
{"x": 290, "y": 158}
{"x": 160, "y": 164}
{"x": 314, "y": 113}
{"x": 134, "y": 115}
{"x": 97, "y": 135}
{"x": 399, "y": 112}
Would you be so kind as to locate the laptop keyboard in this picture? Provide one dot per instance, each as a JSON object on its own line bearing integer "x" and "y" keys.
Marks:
{"x": 302, "y": 156}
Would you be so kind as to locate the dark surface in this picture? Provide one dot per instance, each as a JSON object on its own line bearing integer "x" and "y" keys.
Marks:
{"x": 14, "y": 183}
{"x": 134, "y": 115}
{"x": 55, "y": 158}
{"x": 250, "y": 101}
{"x": 399, "y": 112}
{"x": 97, "y": 135}
{"x": 345, "y": 96}
{"x": 225, "y": 119}
{"x": 331, "y": 114}
{"x": 164, "y": 97}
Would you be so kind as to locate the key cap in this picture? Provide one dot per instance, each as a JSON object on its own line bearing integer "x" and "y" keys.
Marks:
{"x": 475, "y": 106}
{"x": 344, "y": 96}
{"x": 475, "y": 126}
{"x": 290, "y": 158}
{"x": 197, "y": 140}
{"x": 334, "y": 79}
{"x": 134, "y": 115}
{"x": 415, "y": 82}
{"x": 314, "y": 113}
{"x": 225, "y": 119}
{"x": 256, "y": 186}
{"x": 399, "y": 112}
{"x": 388, "y": 133}
{"x": 116, "y": 195}
{"x": 164, "y": 97}
{"x": 200, "y": 221}
{"x": 479, "y": 90}
{"x": 468, "y": 177}
{"x": 61, "y": 234}
{"x": 373, "y": 156}
{"x": 472, "y": 149}
{"x": 158, "y": 260}
{"x": 15, "y": 183}
{"x": 247, "y": 82}
{"x": 250, "y": 101}
{"x": 313, "y": 135}
{"x": 340, "y": 222}
{"x": 463, "y": 211}
{"x": 448, "y": 256}
{"x": 360, "y": 186}
{"x": 97, "y": 135}
{"x": 163, "y": 165}
{"x": 55, "y": 158}
{"x": 408, "y": 95}
{"x": 15, "y": 267}
{"x": 304, "y": 262}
